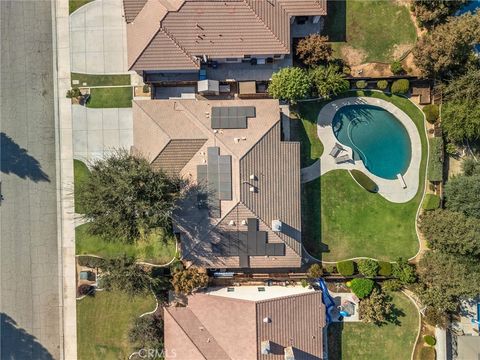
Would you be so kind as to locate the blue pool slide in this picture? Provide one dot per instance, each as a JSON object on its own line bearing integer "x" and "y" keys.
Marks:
{"x": 327, "y": 299}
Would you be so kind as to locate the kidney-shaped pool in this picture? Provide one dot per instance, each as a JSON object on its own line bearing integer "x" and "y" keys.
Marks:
{"x": 376, "y": 137}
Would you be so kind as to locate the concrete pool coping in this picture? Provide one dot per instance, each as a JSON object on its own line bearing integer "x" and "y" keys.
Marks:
{"x": 391, "y": 190}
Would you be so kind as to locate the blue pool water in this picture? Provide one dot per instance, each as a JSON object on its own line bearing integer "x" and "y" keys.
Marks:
{"x": 376, "y": 137}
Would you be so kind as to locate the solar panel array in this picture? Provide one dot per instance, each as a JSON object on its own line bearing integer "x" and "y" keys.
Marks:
{"x": 231, "y": 117}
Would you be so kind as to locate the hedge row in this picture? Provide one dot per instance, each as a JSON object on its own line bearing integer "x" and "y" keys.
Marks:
{"x": 435, "y": 163}
{"x": 431, "y": 202}
{"x": 366, "y": 267}
{"x": 367, "y": 183}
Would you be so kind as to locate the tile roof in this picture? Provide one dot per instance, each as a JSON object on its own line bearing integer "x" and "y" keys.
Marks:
{"x": 171, "y": 34}
{"x": 238, "y": 328}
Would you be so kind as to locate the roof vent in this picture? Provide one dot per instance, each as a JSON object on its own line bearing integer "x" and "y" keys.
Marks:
{"x": 252, "y": 189}
{"x": 253, "y": 177}
{"x": 266, "y": 347}
{"x": 237, "y": 140}
{"x": 267, "y": 320}
{"x": 231, "y": 223}
{"x": 276, "y": 225}
{"x": 244, "y": 222}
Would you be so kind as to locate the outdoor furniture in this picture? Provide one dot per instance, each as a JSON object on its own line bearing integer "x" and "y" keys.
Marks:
{"x": 337, "y": 148}
{"x": 342, "y": 159}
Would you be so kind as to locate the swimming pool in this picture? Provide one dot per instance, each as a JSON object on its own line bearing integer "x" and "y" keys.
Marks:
{"x": 376, "y": 137}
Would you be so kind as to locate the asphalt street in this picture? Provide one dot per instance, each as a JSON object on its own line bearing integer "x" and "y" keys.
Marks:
{"x": 30, "y": 299}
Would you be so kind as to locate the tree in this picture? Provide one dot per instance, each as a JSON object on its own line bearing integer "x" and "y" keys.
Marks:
{"x": 445, "y": 278}
{"x": 451, "y": 232}
{"x": 462, "y": 194}
{"x": 125, "y": 275}
{"x": 123, "y": 197}
{"x": 188, "y": 280}
{"x": 470, "y": 167}
{"x": 315, "y": 271}
{"x": 361, "y": 287}
{"x": 430, "y": 13}
{"x": 377, "y": 308}
{"x": 461, "y": 107}
{"x": 290, "y": 83}
{"x": 147, "y": 332}
{"x": 329, "y": 81}
{"x": 403, "y": 271}
{"x": 396, "y": 68}
{"x": 314, "y": 50}
{"x": 368, "y": 267}
{"x": 445, "y": 50}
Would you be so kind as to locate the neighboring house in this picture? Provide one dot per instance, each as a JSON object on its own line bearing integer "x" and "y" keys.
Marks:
{"x": 246, "y": 210}
{"x": 247, "y": 323}
{"x": 177, "y": 36}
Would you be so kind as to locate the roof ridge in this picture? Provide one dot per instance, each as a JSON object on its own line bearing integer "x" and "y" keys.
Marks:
{"x": 151, "y": 118}
{"x": 172, "y": 38}
{"x": 247, "y": 2}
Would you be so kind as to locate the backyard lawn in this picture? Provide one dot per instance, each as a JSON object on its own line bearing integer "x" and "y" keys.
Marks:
{"x": 369, "y": 31}
{"x": 341, "y": 220}
{"x": 103, "y": 322}
{"x": 100, "y": 80}
{"x": 368, "y": 341}
{"x": 110, "y": 97}
{"x": 81, "y": 174}
{"x": 153, "y": 249}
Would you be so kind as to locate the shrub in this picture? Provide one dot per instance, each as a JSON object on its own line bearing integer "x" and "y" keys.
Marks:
{"x": 304, "y": 283}
{"x": 404, "y": 272}
{"x": 290, "y": 83}
{"x": 435, "y": 161}
{"x": 427, "y": 353}
{"x": 331, "y": 269}
{"x": 396, "y": 68}
{"x": 328, "y": 81}
{"x": 361, "y": 84}
{"x": 361, "y": 287}
{"x": 346, "y": 268}
{"x": 368, "y": 267}
{"x": 400, "y": 86}
{"x": 73, "y": 93}
{"x": 431, "y": 202}
{"x": 90, "y": 261}
{"x": 314, "y": 49}
{"x": 146, "y": 89}
{"x": 392, "y": 285}
{"x": 86, "y": 289}
{"x": 431, "y": 113}
{"x": 364, "y": 181}
{"x": 451, "y": 149}
{"x": 382, "y": 84}
{"x": 430, "y": 340}
{"x": 385, "y": 268}
{"x": 315, "y": 271}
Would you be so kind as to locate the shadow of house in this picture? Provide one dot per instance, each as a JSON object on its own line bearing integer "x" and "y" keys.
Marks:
{"x": 18, "y": 344}
{"x": 16, "y": 160}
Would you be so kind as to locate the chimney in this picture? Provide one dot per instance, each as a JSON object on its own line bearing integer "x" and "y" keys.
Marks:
{"x": 266, "y": 347}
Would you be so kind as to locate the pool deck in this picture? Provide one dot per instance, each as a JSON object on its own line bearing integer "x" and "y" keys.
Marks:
{"x": 391, "y": 190}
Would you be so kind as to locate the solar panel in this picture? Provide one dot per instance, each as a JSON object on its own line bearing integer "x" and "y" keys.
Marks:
{"x": 231, "y": 117}
{"x": 244, "y": 263}
{"x": 279, "y": 249}
{"x": 270, "y": 249}
{"x": 252, "y": 225}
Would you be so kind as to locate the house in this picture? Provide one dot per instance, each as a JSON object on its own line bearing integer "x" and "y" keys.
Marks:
{"x": 178, "y": 36}
{"x": 247, "y": 323}
{"x": 244, "y": 211}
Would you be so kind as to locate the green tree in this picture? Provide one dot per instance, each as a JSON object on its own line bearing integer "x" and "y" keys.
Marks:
{"x": 315, "y": 271}
{"x": 147, "y": 332}
{"x": 368, "y": 267}
{"x": 123, "y": 197}
{"x": 430, "y": 13}
{"x": 451, "y": 232}
{"x": 314, "y": 50}
{"x": 462, "y": 194}
{"x": 377, "y": 308}
{"x": 470, "y": 167}
{"x": 403, "y": 271}
{"x": 188, "y": 280}
{"x": 329, "y": 81}
{"x": 445, "y": 50}
{"x": 361, "y": 287}
{"x": 290, "y": 83}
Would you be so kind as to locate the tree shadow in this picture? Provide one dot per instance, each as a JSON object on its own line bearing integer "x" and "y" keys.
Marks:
{"x": 18, "y": 344}
{"x": 336, "y": 21}
{"x": 334, "y": 338}
{"x": 16, "y": 160}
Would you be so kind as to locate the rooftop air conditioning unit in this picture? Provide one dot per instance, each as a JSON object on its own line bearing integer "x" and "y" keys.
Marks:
{"x": 276, "y": 225}
{"x": 266, "y": 348}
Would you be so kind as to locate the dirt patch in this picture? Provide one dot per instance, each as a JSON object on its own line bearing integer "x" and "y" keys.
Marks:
{"x": 400, "y": 50}
{"x": 409, "y": 65}
{"x": 371, "y": 70}
{"x": 353, "y": 56}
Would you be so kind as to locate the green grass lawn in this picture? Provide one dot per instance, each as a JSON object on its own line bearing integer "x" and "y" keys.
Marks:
{"x": 341, "y": 220}
{"x": 373, "y": 27}
{"x": 155, "y": 248}
{"x": 81, "y": 174}
{"x": 100, "y": 80}
{"x": 119, "y": 97}
{"x": 103, "y": 322}
{"x": 75, "y": 4}
{"x": 359, "y": 341}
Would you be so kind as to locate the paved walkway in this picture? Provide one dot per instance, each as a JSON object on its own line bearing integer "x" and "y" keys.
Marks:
{"x": 98, "y": 38}
{"x": 97, "y": 132}
{"x": 392, "y": 190}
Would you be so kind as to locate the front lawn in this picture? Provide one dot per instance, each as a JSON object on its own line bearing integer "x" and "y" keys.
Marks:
{"x": 342, "y": 220}
{"x": 155, "y": 248}
{"x": 103, "y": 322}
{"x": 110, "y": 97}
{"x": 369, "y": 31}
{"x": 367, "y": 341}
{"x": 100, "y": 80}
{"x": 80, "y": 173}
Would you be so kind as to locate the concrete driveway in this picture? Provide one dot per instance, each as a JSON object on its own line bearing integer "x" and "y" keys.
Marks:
{"x": 97, "y": 132}
{"x": 98, "y": 40}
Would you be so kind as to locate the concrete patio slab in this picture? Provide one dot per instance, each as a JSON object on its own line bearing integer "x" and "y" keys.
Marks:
{"x": 98, "y": 38}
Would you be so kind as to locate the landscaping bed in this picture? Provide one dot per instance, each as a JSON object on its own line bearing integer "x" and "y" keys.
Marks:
{"x": 367, "y": 341}
{"x": 100, "y": 80}
{"x": 103, "y": 322}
